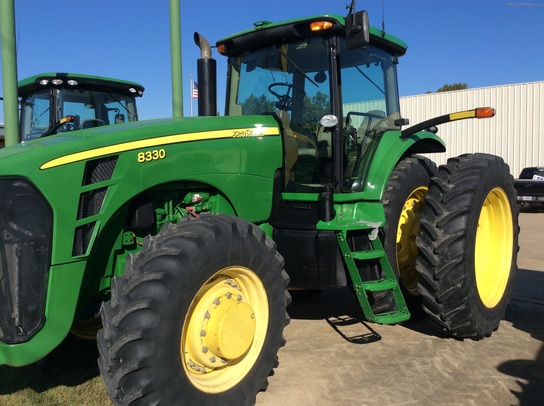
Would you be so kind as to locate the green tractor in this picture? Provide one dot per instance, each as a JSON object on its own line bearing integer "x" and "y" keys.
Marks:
{"x": 186, "y": 234}
{"x": 54, "y": 103}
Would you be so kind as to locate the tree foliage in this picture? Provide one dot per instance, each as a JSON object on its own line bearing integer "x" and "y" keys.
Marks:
{"x": 315, "y": 107}
{"x": 454, "y": 86}
{"x": 257, "y": 105}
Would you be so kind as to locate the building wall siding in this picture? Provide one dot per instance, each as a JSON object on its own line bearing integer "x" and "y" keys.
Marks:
{"x": 516, "y": 133}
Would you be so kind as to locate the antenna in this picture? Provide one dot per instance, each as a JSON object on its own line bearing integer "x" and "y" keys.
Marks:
{"x": 352, "y": 7}
{"x": 383, "y": 18}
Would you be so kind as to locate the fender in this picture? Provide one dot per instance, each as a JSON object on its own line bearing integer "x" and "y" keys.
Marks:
{"x": 414, "y": 139}
{"x": 390, "y": 151}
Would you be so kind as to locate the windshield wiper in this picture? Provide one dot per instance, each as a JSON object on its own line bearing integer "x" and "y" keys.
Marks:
{"x": 370, "y": 80}
{"x": 110, "y": 93}
{"x": 33, "y": 122}
{"x": 294, "y": 64}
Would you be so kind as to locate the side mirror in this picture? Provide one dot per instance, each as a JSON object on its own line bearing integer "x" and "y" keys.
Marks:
{"x": 357, "y": 30}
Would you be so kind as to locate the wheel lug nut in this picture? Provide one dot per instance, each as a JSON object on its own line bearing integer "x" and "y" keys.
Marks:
{"x": 202, "y": 333}
{"x": 204, "y": 350}
{"x": 228, "y": 295}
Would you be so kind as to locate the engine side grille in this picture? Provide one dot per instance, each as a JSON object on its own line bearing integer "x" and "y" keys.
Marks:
{"x": 82, "y": 239}
{"x": 91, "y": 202}
{"x": 99, "y": 170}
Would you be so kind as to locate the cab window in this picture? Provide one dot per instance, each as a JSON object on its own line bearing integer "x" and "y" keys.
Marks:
{"x": 370, "y": 106}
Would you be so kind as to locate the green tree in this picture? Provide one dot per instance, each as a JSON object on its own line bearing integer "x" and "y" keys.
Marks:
{"x": 257, "y": 105}
{"x": 315, "y": 107}
{"x": 455, "y": 86}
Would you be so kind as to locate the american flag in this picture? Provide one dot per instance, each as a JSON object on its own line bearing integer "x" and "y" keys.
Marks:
{"x": 195, "y": 91}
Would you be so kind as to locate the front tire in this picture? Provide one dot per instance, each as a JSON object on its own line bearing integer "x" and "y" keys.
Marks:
{"x": 197, "y": 318}
{"x": 468, "y": 245}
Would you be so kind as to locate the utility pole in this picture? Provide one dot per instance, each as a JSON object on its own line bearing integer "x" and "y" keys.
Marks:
{"x": 175, "y": 52}
{"x": 9, "y": 72}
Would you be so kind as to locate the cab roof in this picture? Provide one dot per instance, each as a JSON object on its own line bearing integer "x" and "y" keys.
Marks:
{"x": 290, "y": 30}
{"x": 32, "y": 83}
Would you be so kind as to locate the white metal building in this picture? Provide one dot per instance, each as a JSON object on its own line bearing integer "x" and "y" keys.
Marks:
{"x": 516, "y": 133}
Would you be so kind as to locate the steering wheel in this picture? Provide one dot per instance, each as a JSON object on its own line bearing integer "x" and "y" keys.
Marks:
{"x": 285, "y": 101}
{"x": 66, "y": 127}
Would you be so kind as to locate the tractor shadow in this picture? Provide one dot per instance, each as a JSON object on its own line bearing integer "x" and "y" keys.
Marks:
{"x": 526, "y": 308}
{"x": 526, "y": 313}
{"x": 72, "y": 363}
{"x": 339, "y": 308}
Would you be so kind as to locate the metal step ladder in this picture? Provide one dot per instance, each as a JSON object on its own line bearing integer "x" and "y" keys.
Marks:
{"x": 388, "y": 283}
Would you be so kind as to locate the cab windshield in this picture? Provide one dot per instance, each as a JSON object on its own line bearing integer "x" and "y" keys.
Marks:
{"x": 90, "y": 108}
{"x": 293, "y": 82}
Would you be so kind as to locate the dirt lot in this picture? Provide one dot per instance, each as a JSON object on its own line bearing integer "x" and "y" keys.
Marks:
{"x": 333, "y": 357}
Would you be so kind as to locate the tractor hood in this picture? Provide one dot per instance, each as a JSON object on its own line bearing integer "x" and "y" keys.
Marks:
{"x": 56, "y": 150}
{"x": 89, "y": 175}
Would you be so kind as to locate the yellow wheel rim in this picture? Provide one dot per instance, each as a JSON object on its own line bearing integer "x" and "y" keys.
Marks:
{"x": 224, "y": 330}
{"x": 493, "y": 249}
{"x": 407, "y": 231}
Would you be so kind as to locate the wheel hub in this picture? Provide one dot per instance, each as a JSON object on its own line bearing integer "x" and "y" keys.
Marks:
{"x": 224, "y": 329}
{"x": 230, "y": 329}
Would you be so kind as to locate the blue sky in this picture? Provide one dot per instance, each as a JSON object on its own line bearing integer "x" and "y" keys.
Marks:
{"x": 478, "y": 42}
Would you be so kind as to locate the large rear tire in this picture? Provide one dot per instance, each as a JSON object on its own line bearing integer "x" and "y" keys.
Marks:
{"x": 197, "y": 318}
{"x": 468, "y": 245}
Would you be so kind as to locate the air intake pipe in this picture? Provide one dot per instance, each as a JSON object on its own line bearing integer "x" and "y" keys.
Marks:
{"x": 206, "y": 78}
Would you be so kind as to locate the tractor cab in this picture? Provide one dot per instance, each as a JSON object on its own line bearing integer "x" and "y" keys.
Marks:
{"x": 332, "y": 90}
{"x": 58, "y": 103}
{"x": 331, "y": 84}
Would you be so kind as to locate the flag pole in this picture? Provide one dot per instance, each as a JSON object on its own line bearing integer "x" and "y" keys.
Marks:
{"x": 191, "y": 87}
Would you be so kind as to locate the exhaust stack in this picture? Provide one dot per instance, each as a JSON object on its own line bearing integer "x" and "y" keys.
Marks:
{"x": 206, "y": 78}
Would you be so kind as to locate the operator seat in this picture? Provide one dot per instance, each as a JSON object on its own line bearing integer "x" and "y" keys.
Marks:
{"x": 368, "y": 124}
{"x": 324, "y": 142}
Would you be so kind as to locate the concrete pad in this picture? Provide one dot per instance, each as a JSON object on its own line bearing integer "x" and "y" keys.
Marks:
{"x": 334, "y": 357}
